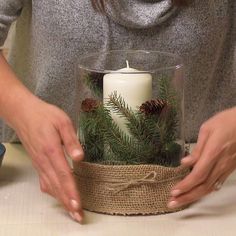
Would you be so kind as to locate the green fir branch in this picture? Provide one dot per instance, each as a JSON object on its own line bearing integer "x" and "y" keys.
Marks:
{"x": 91, "y": 136}
{"x": 167, "y": 92}
{"x": 122, "y": 146}
{"x": 94, "y": 81}
{"x": 140, "y": 128}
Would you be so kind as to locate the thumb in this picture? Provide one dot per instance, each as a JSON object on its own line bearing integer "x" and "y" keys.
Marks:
{"x": 189, "y": 161}
{"x": 70, "y": 141}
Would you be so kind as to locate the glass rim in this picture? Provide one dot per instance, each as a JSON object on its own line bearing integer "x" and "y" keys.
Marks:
{"x": 82, "y": 65}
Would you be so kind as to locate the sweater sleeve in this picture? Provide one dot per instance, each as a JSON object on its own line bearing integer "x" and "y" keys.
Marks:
{"x": 9, "y": 11}
{"x": 234, "y": 37}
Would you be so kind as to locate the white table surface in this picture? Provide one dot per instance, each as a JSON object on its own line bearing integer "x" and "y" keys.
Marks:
{"x": 24, "y": 210}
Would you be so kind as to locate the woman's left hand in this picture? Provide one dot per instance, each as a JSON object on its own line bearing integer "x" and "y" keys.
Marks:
{"x": 212, "y": 160}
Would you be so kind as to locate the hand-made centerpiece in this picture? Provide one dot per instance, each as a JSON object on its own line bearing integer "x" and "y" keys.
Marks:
{"x": 131, "y": 128}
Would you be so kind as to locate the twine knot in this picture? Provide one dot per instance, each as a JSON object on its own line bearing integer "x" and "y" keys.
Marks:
{"x": 147, "y": 179}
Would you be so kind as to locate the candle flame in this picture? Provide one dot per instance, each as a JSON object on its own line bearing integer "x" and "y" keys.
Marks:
{"x": 127, "y": 63}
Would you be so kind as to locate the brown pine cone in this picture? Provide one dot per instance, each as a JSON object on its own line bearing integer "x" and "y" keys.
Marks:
{"x": 89, "y": 105}
{"x": 153, "y": 107}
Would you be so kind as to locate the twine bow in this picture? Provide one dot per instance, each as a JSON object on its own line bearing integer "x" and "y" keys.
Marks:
{"x": 149, "y": 178}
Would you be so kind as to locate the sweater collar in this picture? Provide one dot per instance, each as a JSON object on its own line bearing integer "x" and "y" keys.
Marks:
{"x": 139, "y": 13}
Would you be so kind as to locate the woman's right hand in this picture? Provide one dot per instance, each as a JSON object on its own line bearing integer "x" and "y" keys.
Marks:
{"x": 47, "y": 133}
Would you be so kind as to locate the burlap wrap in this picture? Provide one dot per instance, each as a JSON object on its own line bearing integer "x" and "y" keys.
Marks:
{"x": 126, "y": 189}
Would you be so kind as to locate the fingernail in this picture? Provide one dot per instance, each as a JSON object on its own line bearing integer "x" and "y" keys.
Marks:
{"x": 187, "y": 159}
{"x": 72, "y": 215}
{"x": 78, "y": 217}
{"x": 76, "y": 153}
{"x": 175, "y": 193}
{"x": 74, "y": 204}
{"x": 172, "y": 204}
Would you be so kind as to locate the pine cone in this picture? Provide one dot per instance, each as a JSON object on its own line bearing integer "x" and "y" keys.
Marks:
{"x": 89, "y": 105}
{"x": 153, "y": 107}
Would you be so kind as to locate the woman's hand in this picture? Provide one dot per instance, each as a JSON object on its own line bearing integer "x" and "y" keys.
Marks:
{"x": 212, "y": 160}
{"x": 47, "y": 133}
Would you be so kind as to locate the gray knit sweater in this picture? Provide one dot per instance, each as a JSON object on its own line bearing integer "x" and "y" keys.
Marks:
{"x": 51, "y": 34}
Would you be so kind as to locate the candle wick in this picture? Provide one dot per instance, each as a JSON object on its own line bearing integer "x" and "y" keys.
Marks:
{"x": 127, "y": 63}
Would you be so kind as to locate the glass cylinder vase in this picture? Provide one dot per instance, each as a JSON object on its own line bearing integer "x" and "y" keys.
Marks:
{"x": 130, "y": 124}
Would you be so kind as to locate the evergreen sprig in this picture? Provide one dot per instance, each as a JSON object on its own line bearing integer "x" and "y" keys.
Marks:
{"x": 104, "y": 141}
{"x": 167, "y": 92}
{"x": 91, "y": 136}
{"x": 140, "y": 128}
{"x": 94, "y": 81}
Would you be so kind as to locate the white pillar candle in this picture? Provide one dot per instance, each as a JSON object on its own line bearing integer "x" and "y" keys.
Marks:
{"x": 132, "y": 85}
